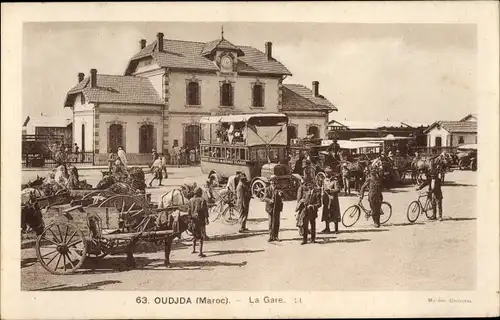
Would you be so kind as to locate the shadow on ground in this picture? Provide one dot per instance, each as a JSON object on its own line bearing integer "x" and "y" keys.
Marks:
{"x": 90, "y": 286}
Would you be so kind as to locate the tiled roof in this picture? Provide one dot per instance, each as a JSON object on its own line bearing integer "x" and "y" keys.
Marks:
{"x": 189, "y": 55}
{"x": 368, "y": 125}
{"x": 116, "y": 89}
{"x": 220, "y": 44}
{"x": 470, "y": 115}
{"x": 46, "y": 121}
{"x": 455, "y": 126}
{"x": 299, "y": 97}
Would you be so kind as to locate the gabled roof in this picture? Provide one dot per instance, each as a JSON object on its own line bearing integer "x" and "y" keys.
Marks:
{"x": 211, "y": 46}
{"x": 189, "y": 55}
{"x": 298, "y": 97}
{"x": 116, "y": 89}
{"x": 47, "y": 121}
{"x": 455, "y": 126}
{"x": 470, "y": 115}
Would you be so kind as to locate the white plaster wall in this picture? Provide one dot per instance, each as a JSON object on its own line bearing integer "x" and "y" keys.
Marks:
{"x": 83, "y": 114}
{"x": 177, "y": 124}
{"x": 302, "y": 125}
{"x": 469, "y": 138}
{"x": 437, "y": 132}
{"x": 210, "y": 92}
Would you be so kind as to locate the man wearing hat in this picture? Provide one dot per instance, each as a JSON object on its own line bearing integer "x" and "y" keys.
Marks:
{"x": 435, "y": 192}
{"x": 330, "y": 201}
{"x": 232, "y": 181}
{"x": 308, "y": 203}
{"x": 375, "y": 198}
{"x": 309, "y": 172}
{"x": 274, "y": 205}
{"x": 346, "y": 179}
{"x": 243, "y": 196}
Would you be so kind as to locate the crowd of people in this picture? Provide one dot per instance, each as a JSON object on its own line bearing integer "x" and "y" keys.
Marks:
{"x": 312, "y": 201}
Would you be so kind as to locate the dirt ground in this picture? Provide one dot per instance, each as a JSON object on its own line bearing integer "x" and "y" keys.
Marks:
{"x": 426, "y": 255}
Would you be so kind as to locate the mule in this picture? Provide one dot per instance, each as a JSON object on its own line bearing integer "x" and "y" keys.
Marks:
{"x": 176, "y": 222}
{"x": 31, "y": 215}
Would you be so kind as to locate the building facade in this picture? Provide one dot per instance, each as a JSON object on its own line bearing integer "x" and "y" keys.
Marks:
{"x": 452, "y": 133}
{"x": 170, "y": 84}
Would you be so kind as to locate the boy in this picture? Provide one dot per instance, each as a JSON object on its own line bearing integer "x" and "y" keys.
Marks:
{"x": 198, "y": 212}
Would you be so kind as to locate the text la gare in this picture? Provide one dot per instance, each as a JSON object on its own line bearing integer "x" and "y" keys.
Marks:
{"x": 265, "y": 299}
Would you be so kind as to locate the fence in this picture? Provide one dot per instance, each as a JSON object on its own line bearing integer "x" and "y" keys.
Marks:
{"x": 38, "y": 160}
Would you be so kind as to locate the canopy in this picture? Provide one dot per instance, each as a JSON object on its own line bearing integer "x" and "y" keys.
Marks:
{"x": 347, "y": 144}
{"x": 468, "y": 147}
{"x": 238, "y": 117}
{"x": 212, "y": 119}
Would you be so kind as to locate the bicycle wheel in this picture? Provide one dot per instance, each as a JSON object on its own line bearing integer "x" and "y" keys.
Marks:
{"x": 428, "y": 208}
{"x": 351, "y": 216}
{"x": 217, "y": 210}
{"x": 413, "y": 211}
{"x": 231, "y": 215}
{"x": 385, "y": 212}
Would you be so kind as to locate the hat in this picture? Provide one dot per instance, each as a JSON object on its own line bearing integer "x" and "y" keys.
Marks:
{"x": 198, "y": 192}
{"x": 344, "y": 165}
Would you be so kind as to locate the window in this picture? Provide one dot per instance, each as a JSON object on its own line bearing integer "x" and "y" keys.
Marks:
{"x": 83, "y": 138}
{"x": 82, "y": 99}
{"x": 193, "y": 94}
{"x": 146, "y": 138}
{"x": 191, "y": 136}
{"x": 314, "y": 131}
{"x": 258, "y": 96}
{"x": 461, "y": 140}
{"x": 226, "y": 95}
{"x": 437, "y": 142}
{"x": 176, "y": 143}
{"x": 115, "y": 137}
{"x": 291, "y": 132}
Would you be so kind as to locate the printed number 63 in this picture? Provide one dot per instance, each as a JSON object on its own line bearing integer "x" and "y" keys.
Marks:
{"x": 141, "y": 300}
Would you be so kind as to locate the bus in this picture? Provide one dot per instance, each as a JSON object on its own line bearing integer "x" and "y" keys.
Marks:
{"x": 255, "y": 144}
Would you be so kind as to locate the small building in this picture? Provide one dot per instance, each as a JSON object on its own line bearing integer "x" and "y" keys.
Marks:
{"x": 59, "y": 127}
{"x": 307, "y": 111}
{"x": 452, "y": 133}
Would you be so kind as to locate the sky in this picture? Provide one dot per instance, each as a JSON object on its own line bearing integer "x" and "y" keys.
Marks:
{"x": 418, "y": 73}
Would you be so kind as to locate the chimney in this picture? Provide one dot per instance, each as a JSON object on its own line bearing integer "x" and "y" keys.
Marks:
{"x": 316, "y": 88}
{"x": 269, "y": 50}
{"x": 93, "y": 78}
{"x": 81, "y": 76}
{"x": 143, "y": 43}
{"x": 159, "y": 36}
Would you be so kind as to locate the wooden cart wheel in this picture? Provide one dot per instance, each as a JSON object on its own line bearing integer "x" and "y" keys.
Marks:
{"x": 61, "y": 248}
{"x": 132, "y": 208}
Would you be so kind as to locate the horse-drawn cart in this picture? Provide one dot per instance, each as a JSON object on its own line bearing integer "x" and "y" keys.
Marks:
{"x": 114, "y": 226}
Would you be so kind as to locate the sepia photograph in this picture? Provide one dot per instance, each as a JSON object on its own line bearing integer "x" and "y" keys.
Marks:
{"x": 256, "y": 162}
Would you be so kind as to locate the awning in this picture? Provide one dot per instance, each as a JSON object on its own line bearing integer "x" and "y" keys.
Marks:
{"x": 212, "y": 119}
{"x": 467, "y": 147}
{"x": 346, "y": 144}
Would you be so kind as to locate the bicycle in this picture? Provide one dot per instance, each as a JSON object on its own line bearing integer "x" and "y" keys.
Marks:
{"x": 351, "y": 215}
{"x": 225, "y": 208}
{"x": 416, "y": 207}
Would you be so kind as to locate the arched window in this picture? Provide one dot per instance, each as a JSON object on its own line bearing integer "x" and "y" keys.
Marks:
{"x": 83, "y": 138}
{"x": 226, "y": 95}
{"x": 313, "y": 130}
{"x": 291, "y": 132}
{"x": 193, "y": 94}
{"x": 258, "y": 96}
{"x": 146, "y": 138}
{"x": 115, "y": 137}
{"x": 191, "y": 136}
{"x": 437, "y": 142}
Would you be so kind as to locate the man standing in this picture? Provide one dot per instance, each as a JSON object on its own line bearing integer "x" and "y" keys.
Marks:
{"x": 232, "y": 182}
{"x": 156, "y": 170}
{"x": 346, "y": 179}
{"x": 122, "y": 155}
{"x": 274, "y": 205}
{"x": 309, "y": 172}
{"x": 198, "y": 212}
{"x": 375, "y": 198}
{"x": 164, "y": 165}
{"x": 243, "y": 196}
{"x": 330, "y": 201}
{"x": 436, "y": 194}
{"x": 309, "y": 201}
{"x": 111, "y": 161}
